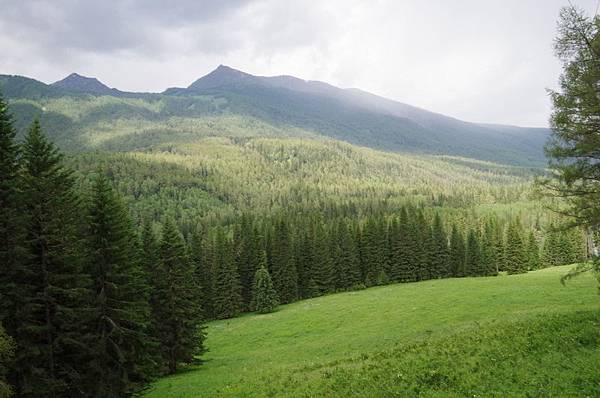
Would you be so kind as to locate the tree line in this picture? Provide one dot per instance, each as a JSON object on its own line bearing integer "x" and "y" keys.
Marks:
{"x": 313, "y": 256}
{"x": 89, "y": 307}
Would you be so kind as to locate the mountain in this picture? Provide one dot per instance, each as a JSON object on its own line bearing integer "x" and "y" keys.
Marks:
{"x": 83, "y": 84}
{"x": 366, "y": 119}
{"x": 260, "y": 105}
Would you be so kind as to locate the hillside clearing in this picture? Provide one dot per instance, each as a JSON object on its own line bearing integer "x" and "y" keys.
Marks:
{"x": 341, "y": 326}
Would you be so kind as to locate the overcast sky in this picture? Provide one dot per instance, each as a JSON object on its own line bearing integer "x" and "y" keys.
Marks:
{"x": 483, "y": 61}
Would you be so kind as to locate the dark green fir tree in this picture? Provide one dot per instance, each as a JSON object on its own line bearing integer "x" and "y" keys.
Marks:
{"x": 54, "y": 289}
{"x": 456, "y": 256}
{"x": 120, "y": 357}
{"x": 227, "y": 299}
{"x": 176, "y": 314}
{"x": 264, "y": 298}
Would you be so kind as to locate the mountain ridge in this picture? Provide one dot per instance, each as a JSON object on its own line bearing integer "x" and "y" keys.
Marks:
{"x": 350, "y": 115}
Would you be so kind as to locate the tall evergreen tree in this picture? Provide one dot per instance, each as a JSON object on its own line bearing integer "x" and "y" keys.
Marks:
{"x": 550, "y": 251}
{"x": 515, "y": 255}
{"x": 120, "y": 314}
{"x": 203, "y": 271}
{"x": 177, "y": 317}
{"x": 7, "y": 352}
{"x": 322, "y": 269}
{"x": 489, "y": 250}
{"x": 374, "y": 244}
{"x": 406, "y": 252}
{"x": 425, "y": 247}
{"x": 457, "y": 253}
{"x": 282, "y": 267}
{"x": 440, "y": 262}
{"x": 54, "y": 289}
{"x": 11, "y": 224}
{"x": 533, "y": 252}
{"x": 248, "y": 252}
{"x": 473, "y": 255}
{"x": 264, "y": 295}
{"x": 347, "y": 258}
{"x": 304, "y": 259}
{"x": 227, "y": 299}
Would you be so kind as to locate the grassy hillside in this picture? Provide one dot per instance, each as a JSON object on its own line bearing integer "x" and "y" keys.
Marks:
{"x": 316, "y": 346}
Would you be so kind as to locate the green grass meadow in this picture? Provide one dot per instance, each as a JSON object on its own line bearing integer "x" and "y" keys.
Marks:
{"x": 383, "y": 341}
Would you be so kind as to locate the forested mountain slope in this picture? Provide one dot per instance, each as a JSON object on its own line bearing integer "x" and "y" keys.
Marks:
{"x": 82, "y": 113}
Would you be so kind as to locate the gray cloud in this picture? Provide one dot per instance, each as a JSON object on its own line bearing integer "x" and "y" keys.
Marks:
{"x": 479, "y": 61}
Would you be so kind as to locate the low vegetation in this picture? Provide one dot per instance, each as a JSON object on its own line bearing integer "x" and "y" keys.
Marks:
{"x": 294, "y": 350}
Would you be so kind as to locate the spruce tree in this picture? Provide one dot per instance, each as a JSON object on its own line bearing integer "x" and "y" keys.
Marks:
{"x": 247, "y": 256}
{"x": 54, "y": 289}
{"x": 227, "y": 299}
{"x": 515, "y": 255}
{"x": 322, "y": 269}
{"x": 374, "y": 245}
{"x": 472, "y": 255}
{"x": 282, "y": 267}
{"x": 120, "y": 314}
{"x": 405, "y": 254}
{"x": 425, "y": 247}
{"x": 347, "y": 258}
{"x": 202, "y": 263}
{"x": 264, "y": 298}
{"x": 176, "y": 315}
{"x": 11, "y": 225}
{"x": 304, "y": 260}
{"x": 7, "y": 352}
{"x": 549, "y": 249}
{"x": 456, "y": 257}
{"x": 440, "y": 263}
{"x": 533, "y": 252}
{"x": 489, "y": 251}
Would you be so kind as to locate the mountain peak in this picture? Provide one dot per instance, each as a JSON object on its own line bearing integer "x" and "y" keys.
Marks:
{"x": 222, "y": 76}
{"x": 84, "y": 84}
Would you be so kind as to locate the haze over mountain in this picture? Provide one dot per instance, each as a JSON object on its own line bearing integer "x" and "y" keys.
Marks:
{"x": 286, "y": 104}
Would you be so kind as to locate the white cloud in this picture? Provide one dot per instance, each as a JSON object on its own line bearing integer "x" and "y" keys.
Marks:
{"x": 475, "y": 60}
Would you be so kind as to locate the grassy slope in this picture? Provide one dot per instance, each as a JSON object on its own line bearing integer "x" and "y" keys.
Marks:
{"x": 311, "y": 333}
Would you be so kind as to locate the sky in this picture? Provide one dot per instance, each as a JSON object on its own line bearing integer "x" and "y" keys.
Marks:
{"x": 483, "y": 61}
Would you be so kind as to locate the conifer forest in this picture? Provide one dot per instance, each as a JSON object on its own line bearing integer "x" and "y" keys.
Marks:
{"x": 252, "y": 236}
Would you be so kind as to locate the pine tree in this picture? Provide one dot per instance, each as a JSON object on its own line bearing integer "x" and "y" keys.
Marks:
{"x": 120, "y": 314}
{"x": 227, "y": 299}
{"x": 54, "y": 290}
{"x": 472, "y": 255}
{"x": 264, "y": 295}
{"x": 177, "y": 317}
{"x": 515, "y": 256}
{"x": 457, "y": 253}
{"x": 440, "y": 266}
